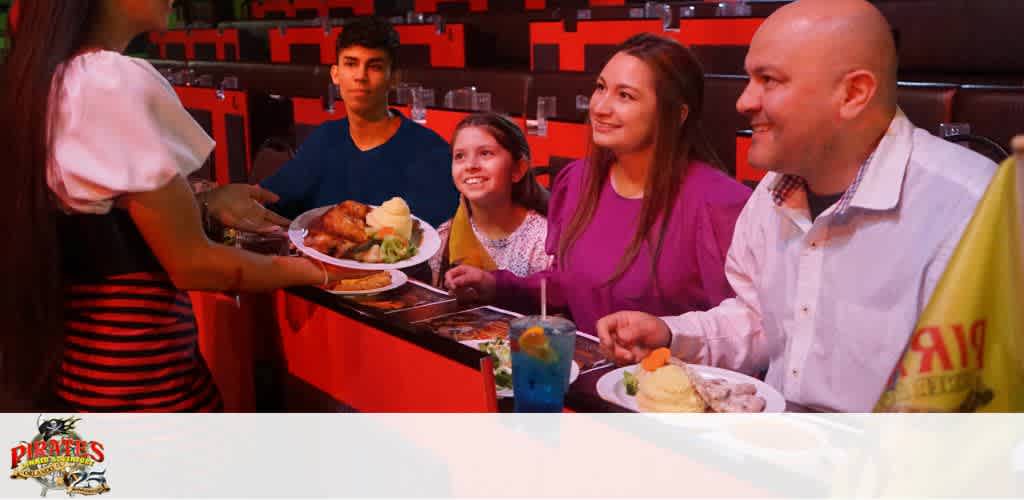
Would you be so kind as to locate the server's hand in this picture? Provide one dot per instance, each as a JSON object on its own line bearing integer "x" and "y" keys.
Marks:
{"x": 240, "y": 206}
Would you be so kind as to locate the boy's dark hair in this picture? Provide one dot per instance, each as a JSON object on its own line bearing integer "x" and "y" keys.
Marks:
{"x": 372, "y": 33}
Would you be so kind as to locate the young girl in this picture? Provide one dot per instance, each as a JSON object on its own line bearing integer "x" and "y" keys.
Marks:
{"x": 108, "y": 230}
{"x": 500, "y": 222}
{"x": 645, "y": 221}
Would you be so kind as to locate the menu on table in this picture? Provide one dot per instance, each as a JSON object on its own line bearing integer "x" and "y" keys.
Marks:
{"x": 437, "y": 310}
{"x": 403, "y": 298}
{"x": 482, "y": 323}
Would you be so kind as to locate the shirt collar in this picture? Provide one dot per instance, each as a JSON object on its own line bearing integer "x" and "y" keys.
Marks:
{"x": 879, "y": 180}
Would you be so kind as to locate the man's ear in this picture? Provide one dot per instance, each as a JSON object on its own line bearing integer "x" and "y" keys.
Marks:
{"x": 334, "y": 74}
{"x": 683, "y": 114}
{"x": 858, "y": 90}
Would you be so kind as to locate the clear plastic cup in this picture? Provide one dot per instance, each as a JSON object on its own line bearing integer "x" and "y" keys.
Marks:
{"x": 547, "y": 107}
{"x": 542, "y": 350}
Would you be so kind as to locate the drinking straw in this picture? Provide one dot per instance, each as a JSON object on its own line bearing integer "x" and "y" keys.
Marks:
{"x": 543, "y": 299}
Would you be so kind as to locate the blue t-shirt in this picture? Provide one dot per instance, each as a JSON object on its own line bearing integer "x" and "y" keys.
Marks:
{"x": 414, "y": 164}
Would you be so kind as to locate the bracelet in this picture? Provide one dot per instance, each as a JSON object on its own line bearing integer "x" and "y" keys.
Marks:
{"x": 322, "y": 266}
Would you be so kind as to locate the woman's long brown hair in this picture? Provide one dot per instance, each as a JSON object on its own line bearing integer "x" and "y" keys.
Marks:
{"x": 679, "y": 81}
{"x": 49, "y": 32}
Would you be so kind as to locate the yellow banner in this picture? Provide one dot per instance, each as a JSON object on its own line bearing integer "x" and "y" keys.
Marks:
{"x": 93, "y": 490}
{"x": 31, "y": 473}
{"x": 967, "y": 350}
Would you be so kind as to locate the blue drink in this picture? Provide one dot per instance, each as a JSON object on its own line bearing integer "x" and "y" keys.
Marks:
{"x": 541, "y": 358}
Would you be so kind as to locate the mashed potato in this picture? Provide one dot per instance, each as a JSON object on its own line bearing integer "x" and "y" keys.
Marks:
{"x": 667, "y": 389}
{"x": 393, "y": 213}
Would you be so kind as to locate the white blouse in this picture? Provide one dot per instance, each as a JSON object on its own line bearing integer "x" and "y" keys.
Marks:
{"x": 119, "y": 128}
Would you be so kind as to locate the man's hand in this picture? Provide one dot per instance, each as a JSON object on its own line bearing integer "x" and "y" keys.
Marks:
{"x": 629, "y": 336}
{"x": 240, "y": 206}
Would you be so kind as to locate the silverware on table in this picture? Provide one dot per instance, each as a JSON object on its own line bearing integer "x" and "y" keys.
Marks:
{"x": 599, "y": 366}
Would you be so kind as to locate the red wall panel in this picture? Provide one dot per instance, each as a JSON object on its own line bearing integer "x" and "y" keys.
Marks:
{"x": 731, "y": 31}
{"x": 447, "y": 50}
{"x": 189, "y": 38}
{"x": 235, "y": 102}
{"x": 259, "y": 9}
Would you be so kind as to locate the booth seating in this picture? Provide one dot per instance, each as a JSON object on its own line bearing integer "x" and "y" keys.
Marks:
{"x": 434, "y": 5}
{"x": 422, "y": 45}
{"x": 225, "y": 116}
{"x": 276, "y": 95}
{"x": 309, "y": 113}
{"x": 212, "y": 44}
{"x": 554, "y": 48}
{"x": 721, "y": 120}
{"x": 745, "y": 172}
{"x": 288, "y": 80}
{"x": 508, "y": 89}
{"x": 309, "y": 9}
{"x": 565, "y": 142}
{"x": 990, "y": 110}
{"x": 995, "y": 112}
{"x": 503, "y": 38}
{"x": 958, "y": 40}
{"x": 460, "y": 6}
{"x": 567, "y": 88}
{"x": 621, "y": 9}
{"x": 168, "y": 64}
{"x": 240, "y": 120}
{"x": 927, "y": 104}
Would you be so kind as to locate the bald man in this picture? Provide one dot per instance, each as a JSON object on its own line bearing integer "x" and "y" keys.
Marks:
{"x": 838, "y": 250}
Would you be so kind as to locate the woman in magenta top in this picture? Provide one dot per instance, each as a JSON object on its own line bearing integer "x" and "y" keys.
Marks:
{"x": 645, "y": 222}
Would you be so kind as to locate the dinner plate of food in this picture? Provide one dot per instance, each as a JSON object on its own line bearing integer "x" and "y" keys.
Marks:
{"x": 502, "y": 357}
{"x": 662, "y": 383}
{"x": 373, "y": 283}
{"x": 359, "y": 236}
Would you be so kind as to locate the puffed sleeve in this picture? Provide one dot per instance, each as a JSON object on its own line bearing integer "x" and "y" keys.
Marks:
{"x": 119, "y": 128}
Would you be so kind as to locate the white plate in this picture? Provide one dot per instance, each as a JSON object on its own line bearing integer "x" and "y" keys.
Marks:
{"x": 574, "y": 370}
{"x": 611, "y": 388}
{"x": 297, "y": 234}
{"x": 398, "y": 278}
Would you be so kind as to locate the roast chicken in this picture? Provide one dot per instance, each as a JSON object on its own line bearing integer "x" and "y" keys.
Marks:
{"x": 339, "y": 229}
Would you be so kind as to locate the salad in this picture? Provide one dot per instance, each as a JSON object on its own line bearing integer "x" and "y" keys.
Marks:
{"x": 501, "y": 354}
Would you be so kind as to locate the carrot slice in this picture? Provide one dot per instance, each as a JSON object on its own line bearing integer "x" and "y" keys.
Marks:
{"x": 656, "y": 359}
{"x": 385, "y": 231}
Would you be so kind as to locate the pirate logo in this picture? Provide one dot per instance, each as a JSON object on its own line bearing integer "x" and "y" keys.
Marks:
{"x": 59, "y": 459}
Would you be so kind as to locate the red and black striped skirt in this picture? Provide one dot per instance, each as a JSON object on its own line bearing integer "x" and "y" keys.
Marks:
{"x": 131, "y": 346}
